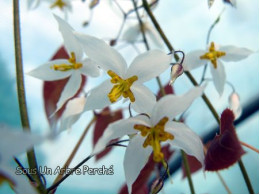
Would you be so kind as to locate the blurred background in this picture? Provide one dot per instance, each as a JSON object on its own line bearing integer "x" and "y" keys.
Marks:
{"x": 186, "y": 24}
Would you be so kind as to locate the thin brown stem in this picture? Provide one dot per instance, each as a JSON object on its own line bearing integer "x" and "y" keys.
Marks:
{"x": 249, "y": 146}
{"x": 21, "y": 91}
{"x": 73, "y": 153}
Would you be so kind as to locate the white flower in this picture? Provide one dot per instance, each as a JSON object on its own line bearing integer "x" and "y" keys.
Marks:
{"x": 150, "y": 132}
{"x": 74, "y": 67}
{"x": 13, "y": 143}
{"x": 133, "y": 33}
{"x": 215, "y": 56}
{"x": 126, "y": 82}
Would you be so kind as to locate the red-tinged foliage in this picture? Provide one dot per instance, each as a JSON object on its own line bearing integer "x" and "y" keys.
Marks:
{"x": 140, "y": 185}
{"x": 104, "y": 118}
{"x": 53, "y": 89}
{"x": 194, "y": 165}
{"x": 225, "y": 149}
{"x": 168, "y": 90}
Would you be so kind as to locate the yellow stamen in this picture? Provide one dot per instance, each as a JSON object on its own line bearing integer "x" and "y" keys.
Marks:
{"x": 213, "y": 55}
{"x": 59, "y": 3}
{"x": 154, "y": 137}
{"x": 65, "y": 67}
{"x": 121, "y": 87}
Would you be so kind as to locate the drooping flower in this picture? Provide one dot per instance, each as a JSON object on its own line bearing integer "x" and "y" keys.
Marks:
{"x": 71, "y": 68}
{"x": 125, "y": 82}
{"x": 151, "y": 131}
{"x": 13, "y": 143}
{"x": 214, "y": 56}
{"x": 225, "y": 149}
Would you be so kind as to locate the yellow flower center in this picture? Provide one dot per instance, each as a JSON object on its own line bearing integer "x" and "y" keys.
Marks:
{"x": 155, "y": 135}
{"x": 65, "y": 67}
{"x": 58, "y": 3}
{"x": 213, "y": 55}
{"x": 121, "y": 87}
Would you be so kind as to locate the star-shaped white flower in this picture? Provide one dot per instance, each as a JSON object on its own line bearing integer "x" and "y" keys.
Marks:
{"x": 125, "y": 82}
{"x": 73, "y": 68}
{"x": 214, "y": 56}
{"x": 12, "y": 143}
{"x": 151, "y": 132}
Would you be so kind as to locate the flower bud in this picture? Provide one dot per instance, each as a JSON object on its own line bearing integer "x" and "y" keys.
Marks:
{"x": 234, "y": 104}
{"x": 176, "y": 71}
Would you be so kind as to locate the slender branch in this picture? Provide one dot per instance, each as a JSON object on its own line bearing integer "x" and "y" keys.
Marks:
{"x": 223, "y": 183}
{"x": 73, "y": 153}
{"x": 245, "y": 175}
{"x": 21, "y": 91}
{"x": 187, "y": 169}
{"x": 249, "y": 146}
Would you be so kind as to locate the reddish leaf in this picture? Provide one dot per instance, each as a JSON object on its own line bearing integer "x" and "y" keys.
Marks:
{"x": 103, "y": 120}
{"x": 225, "y": 149}
{"x": 194, "y": 165}
{"x": 53, "y": 89}
{"x": 168, "y": 90}
{"x": 140, "y": 184}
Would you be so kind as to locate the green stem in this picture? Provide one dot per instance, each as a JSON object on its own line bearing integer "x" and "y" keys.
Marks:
{"x": 21, "y": 92}
{"x": 187, "y": 169}
{"x": 194, "y": 82}
{"x": 246, "y": 178}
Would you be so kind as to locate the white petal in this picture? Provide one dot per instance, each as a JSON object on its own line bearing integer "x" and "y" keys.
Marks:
{"x": 172, "y": 105}
{"x": 219, "y": 76}
{"x": 22, "y": 184}
{"x": 46, "y": 73}
{"x": 132, "y": 33}
{"x": 72, "y": 112}
{"x": 234, "y": 54}
{"x": 119, "y": 129}
{"x": 70, "y": 89}
{"x": 186, "y": 139}
{"x": 90, "y": 68}
{"x": 98, "y": 99}
{"x": 70, "y": 41}
{"x": 106, "y": 57}
{"x": 144, "y": 99}
{"x": 149, "y": 65}
{"x": 192, "y": 60}
{"x": 234, "y": 104}
{"x": 14, "y": 142}
{"x": 136, "y": 156}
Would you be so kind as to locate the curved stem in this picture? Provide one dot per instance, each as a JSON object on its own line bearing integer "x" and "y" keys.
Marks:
{"x": 54, "y": 186}
{"x": 21, "y": 91}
